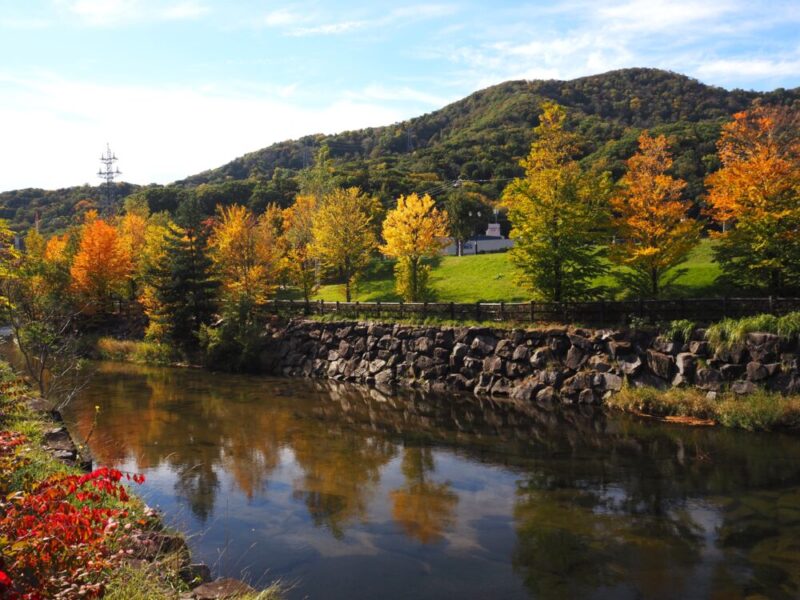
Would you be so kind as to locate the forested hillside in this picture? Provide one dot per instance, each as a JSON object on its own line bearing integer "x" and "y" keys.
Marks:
{"x": 479, "y": 139}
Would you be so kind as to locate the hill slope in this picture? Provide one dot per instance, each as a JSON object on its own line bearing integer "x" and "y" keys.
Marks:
{"x": 478, "y": 138}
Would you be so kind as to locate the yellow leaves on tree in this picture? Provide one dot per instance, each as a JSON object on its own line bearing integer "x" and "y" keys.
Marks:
{"x": 414, "y": 230}
{"x": 245, "y": 252}
{"x": 344, "y": 237}
{"x": 102, "y": 264}
{"x": 298, "y": 234}
{"x": 756, "y": 195}
{"x": 656, "y": 234}
{"x": 558, "y": 212}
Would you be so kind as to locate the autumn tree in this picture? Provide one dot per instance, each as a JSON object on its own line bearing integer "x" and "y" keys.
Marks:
{"x": 650, "y": 219}
{"x": 756, "y": 196}
{"x": 344, "y": 235}
{"x": 102, "y": 265}
{"x": 298, "y": 235}
{"x": 244, "y": 249}
{"x": 558, "y": 212}
{"x": 414, "y": 230}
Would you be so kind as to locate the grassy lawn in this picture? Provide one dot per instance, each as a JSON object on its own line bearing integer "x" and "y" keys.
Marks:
{"x": 492, "y": 278}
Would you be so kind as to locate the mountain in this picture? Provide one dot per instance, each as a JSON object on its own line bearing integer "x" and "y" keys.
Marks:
{"x": 479, "y": 138}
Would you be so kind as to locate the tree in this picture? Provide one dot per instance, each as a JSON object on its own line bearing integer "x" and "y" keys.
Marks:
{"x": 298, "y": 234}
{"x": 102, "y": 264}
{"x": 756, "y": 196}
{"x": 318, "y": 181}
{"x": 656, "y": 234}
{"x": 466, "y": 213}
{"x": 558, "y": 213}
{"x": 244, "y": 250}
{"x": 179, "y": 273}
{"x": 344, "y": 237}
{"x": 414, "y": 230}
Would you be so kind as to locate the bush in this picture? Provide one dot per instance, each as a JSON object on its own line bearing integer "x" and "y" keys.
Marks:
{"x": 152, "y": 353}
{"x": 729, "y": 332}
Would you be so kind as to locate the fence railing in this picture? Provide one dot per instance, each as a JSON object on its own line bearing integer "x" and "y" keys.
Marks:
{"x": 700, "y": 310}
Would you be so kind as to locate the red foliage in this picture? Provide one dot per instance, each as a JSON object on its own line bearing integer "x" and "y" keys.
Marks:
{"x": 57, "y": 539}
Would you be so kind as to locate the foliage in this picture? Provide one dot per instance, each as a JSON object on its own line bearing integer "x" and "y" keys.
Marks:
{"x": 414, "y": 230}
{"x": 235, "y": 343}
{"x": 56, "y": 540}
{"x": 729, "y": 332}
{"x": 557, "y": 212}
{"x": 245, "y": 253}
{"x": 680, "y": 330}
{"x": 298, "y": 236}
{"x": 467, "y": 214}
{"x": 102, "y": 265}
{"x": 656, "y": 235}
{"x": 182, "y": 289}
{"x": 146, "y": 352}
{"x": 757, "y": 193}
{"x": 344, "y": 236}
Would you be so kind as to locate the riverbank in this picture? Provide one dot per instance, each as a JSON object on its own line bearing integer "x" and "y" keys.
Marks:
{"x": 69, "y": 531}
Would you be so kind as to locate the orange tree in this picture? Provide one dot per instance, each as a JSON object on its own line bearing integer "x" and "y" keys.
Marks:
{"x": 656, "y": 234}
{"x": 756, "y": 196}
{"x": 298, "y": 236}
{"x": 102, "y": 265}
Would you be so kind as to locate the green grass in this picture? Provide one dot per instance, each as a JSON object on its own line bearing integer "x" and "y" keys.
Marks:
{"x": 492, "y": 278}
{"x": 729, "y": 332}
{"x": 759, "y": 411}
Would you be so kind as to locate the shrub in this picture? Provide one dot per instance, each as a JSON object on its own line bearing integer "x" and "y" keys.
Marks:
{"x": 729, "y": 332}
{"x": 680, "y": 330}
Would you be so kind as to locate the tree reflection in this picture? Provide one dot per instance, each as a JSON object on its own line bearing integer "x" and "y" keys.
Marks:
{"x": 423, "y": 508}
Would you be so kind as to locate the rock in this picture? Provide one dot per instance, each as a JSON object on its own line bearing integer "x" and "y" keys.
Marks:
{"x": 460, "y": 351}
{"x": 579, "y": 341}
{"x": 559, "y": 345}
{"x": 599, "y": 363}
{"x": 708, "y": 379}
{"x": 630, "y": 364}
{"x": 458, "y": 382}
{"x": 444, "y": 338}
{"x": 501, "y": 387}
{"x": 618, "y": 347}
{"x": 646, "y": 379}
{"x": 504, "y": 349}
{"x": 516, "y": 370}
{"x": 610, "y": 382}
{"x": 547, "y": 395}
{"x": 483, "y": 345}
{"x": 540, "y": 358}
{"x": 756, "y": 371}
{"x": 743, "y": 387}
{"x": 345, "y": 349}
{"x": 551, "y": 377}
{"x": 527, "y": 390}
{"x": 195, "y": 573}
{"x": 424, "y": 345}
{"x": 384, "y": 378}
{"x": 484, "y": 384}
{"x": 575, "y": 358}
{"x": 493, "y": 364}
{"x": 441, "y": 355}
{"x": 731, "y": 372}
{"x": 587, "y": 396}
{"x": 222, "y": 588}
{"x": 521, "y": 354}
{"x": 701, "y": 349}
{"x": 662, "y": 365}
{"x": 577, "y": 382}
{"x": 735, "y": 355}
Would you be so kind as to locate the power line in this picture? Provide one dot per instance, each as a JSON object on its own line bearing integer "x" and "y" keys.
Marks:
{"x": 108, "y": 173}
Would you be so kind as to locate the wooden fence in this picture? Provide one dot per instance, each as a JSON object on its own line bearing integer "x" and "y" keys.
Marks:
{"x": 699, "y": 310}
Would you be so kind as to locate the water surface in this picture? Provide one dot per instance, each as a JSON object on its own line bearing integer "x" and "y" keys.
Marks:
{"x": 348, "y": 493}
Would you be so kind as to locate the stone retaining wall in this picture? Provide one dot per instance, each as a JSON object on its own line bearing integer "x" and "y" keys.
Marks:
{"x": 570, "y": 365}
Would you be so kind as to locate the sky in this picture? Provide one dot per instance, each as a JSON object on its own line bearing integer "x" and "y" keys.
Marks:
{"x": 180, "y": 86}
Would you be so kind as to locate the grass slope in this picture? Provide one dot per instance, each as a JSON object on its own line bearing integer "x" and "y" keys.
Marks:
{"x": 492, "y": 278}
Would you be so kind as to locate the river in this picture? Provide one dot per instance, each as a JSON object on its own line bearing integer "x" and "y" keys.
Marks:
{"x": 345, "y": 493}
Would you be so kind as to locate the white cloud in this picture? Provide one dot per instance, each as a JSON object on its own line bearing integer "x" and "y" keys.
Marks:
{"x": 399, "y": 16}
{"x": 160, "y": 133}
{"x": 283, "y": 17}
{"x": 736, "y": 69}
{"x": 330, "y": 28}
{"x": 648, "y": 16}
{"x": 103, "y": 13}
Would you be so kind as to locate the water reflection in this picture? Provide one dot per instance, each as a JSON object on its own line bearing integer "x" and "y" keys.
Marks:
{"x": 358, "y": 494}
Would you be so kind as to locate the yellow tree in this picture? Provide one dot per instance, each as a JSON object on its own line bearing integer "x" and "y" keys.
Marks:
{"x": 414, "y": 230}
{"x": 344, "y": 236}
{"x": 244, "y": 249}
{"x": 298, "y": 235}
{"x": 558, "y": 213}
{"x": 102, "y": 265}
{"x": 756, "y": 195}
{"x": 650, "y": 218}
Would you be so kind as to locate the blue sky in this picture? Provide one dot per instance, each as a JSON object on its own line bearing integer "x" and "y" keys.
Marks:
{"x": 178, "y": 86}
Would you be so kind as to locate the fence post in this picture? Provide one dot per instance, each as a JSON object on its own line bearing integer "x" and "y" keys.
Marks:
{"x": 424, "y": 310}
{"x": 477, "y": 311}
{"x": 452, "y": 311}
{"x": 771, "y": 305}
{"x": 533, "y": 310}
{"x": 379, "y": 309}
{"x": 356, "y": 315}
{"x": 401, "y": 309}
{"x": 321, "y": 307}
{"x": 337, "y": 307}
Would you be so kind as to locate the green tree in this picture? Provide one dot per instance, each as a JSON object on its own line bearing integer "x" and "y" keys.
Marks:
{"x": 558, "y": 213}
{"x": 183, "y": 288}
{"x": 467, "y": 214}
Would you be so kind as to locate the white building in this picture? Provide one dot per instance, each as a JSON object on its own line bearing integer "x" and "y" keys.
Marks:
{"x": 493, "y": 241}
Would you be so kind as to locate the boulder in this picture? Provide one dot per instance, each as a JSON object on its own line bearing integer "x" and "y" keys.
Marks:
{"x": 575, "y": 358}
{"x": 424, "y": 345}
{"x": 221, "y": 589}
{"x": 743, "y": 388}
{"x": 662, "y": 365}
{"x": 630, "y": 364}
{"x": 756, "y": 371}
{"x": 527, "y": 390}
{"x": 504, "y": 349}
{"x": 708, "y": 379}
{"x": 493, "y": 364}
{"x": 540, "y": 358}
{"x": 547, "y": 395}
{"x": 587, "y": 396}
{"x": 521, "y": 354}
{"x": 686, "y": 363}
{"x": 483, "y": 345}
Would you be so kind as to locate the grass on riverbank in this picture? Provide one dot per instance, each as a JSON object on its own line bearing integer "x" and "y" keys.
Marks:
{"x": 492, "y": 278}
{"x": 137, "y": 351}
{"x": 759, "y": 411}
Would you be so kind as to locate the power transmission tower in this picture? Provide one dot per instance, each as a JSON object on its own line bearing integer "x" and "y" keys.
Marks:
{"x": 108, "y": 173}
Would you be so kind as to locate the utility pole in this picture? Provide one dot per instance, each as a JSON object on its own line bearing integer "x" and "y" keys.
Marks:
{"x": 108, "y": 173}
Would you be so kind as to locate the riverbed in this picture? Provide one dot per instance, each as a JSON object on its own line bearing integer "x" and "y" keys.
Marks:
{"x": 343, "y": 492}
